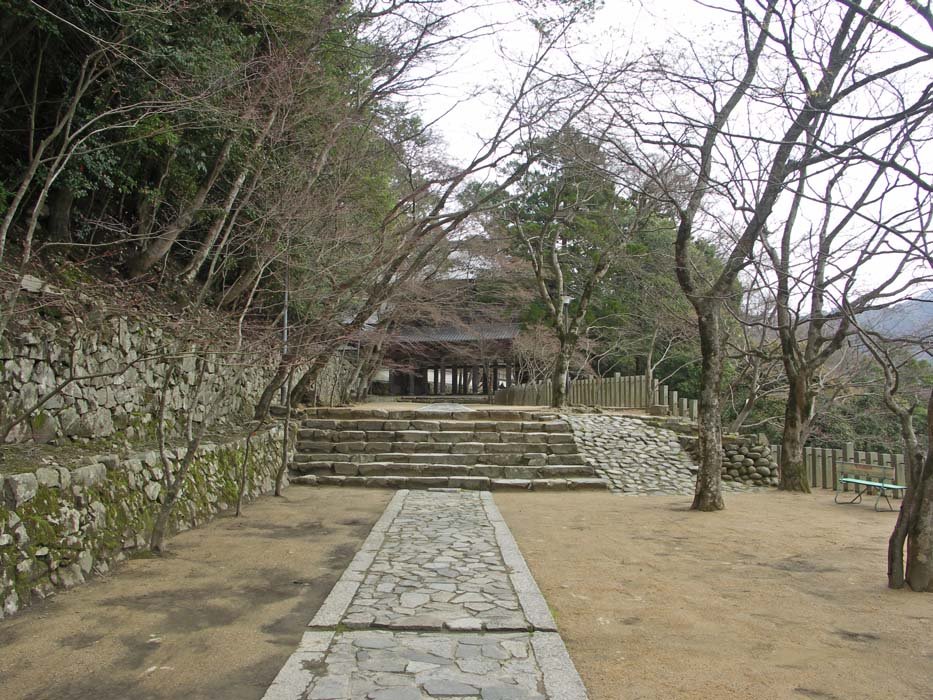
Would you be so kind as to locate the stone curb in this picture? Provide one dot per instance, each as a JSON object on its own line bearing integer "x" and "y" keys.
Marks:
{"x": 529, "y": 595}
{"x": 338, "y": 600}
{"x": 561, "y": 680}
{"x": 294, "y": 679}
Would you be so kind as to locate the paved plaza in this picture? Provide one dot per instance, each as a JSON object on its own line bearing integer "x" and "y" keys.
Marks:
{"x": 438, "y": 603}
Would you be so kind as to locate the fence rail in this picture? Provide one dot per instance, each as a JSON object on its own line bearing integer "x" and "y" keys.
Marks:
{"x": 822, "y": 463}
{"x": 636, "y": 391}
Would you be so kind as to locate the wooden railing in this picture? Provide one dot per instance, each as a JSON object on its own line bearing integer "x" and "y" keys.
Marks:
{"x": 636, "y": 391}
{"x": 822, "y": 463}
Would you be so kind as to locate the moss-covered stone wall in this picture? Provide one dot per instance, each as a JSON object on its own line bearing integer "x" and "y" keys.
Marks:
{"x": 59, "y": 526}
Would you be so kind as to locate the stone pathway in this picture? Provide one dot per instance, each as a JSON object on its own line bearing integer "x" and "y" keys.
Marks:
{"x": 636, "y": 458}
{"x": 438, "y": 603}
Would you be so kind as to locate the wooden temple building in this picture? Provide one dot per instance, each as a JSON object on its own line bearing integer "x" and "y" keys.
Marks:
{"x": 458, "y": 360}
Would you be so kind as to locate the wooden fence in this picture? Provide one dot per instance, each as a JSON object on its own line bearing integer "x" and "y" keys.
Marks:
{"x": 607, "y": 392}
{"x": 822, "y": 463}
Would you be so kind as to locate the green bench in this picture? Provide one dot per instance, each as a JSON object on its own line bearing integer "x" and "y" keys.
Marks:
{"x": 865, "y": 477}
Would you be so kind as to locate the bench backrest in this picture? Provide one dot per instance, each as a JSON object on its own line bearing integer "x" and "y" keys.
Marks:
{"x": 875, "y": 472}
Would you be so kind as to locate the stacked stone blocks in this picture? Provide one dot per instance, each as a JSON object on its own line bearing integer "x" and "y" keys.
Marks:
{"x": 120, "y": 366}
{"x": 407, "y": 449}
{"x": 59, "y": 525}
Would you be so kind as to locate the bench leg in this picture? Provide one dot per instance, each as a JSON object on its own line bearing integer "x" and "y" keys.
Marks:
{"x": 858, "y": 496}
{"x": 882, "y": 493}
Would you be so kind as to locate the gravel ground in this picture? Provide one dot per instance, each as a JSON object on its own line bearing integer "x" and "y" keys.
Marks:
{"x": 216, "y": 618}
{"x": 776, "y": 597}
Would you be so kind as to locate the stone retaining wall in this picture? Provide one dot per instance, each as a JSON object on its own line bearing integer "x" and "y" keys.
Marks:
{"x": 746, "y": 459}
{"x": 59, "y": 526}
{"x": 124, "y": 399}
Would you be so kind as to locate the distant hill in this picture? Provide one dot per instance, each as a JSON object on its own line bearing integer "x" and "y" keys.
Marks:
{"x": 913, "y": 317}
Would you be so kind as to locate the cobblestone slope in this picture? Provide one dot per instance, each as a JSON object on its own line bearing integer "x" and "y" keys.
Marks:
{"x": 636, "y": 458}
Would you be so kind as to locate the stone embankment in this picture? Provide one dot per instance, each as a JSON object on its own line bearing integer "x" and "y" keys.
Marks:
{"x": 120, "y": 369}
{"x": 58, "y": 526}
{"x": 749, "y": 461}
{"x": 746, "y": 459}
{"x": 653, "y": 456}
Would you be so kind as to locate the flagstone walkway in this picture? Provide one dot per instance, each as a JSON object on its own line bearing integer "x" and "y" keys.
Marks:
{"x": 438, "y": 603}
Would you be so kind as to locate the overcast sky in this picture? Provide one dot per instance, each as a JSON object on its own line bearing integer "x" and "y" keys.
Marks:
{"x": 621, "y": 26}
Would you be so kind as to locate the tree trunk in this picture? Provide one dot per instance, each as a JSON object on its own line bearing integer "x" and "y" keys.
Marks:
{"x": 708, "y": 495}
{"x": 913, "y": 461}
{"x": 896, "y": 542}
{"x": 559, "y": 377}
{"x": 920, "y": 517}
{"x": 242, "y": 283}
{"x": 300, "y": 391}
{"x": 60, "y": 214}
{"x": 160, "y": 526}
{"x": 200, "y": 255}
{"x": 797, "y": 415}
{"x": 242, "y": 476}
{"x": 160, "y": 247}
{"x": 265, "y": 399}
{"x": 286, "y": 428}
{"x": 920, "y": 532}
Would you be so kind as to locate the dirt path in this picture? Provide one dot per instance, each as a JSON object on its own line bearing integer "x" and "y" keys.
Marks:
{"x": 776, "y": 597}
{"x": 216, "y": 619}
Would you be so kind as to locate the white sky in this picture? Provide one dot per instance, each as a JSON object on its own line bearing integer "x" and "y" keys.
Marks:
{"x": 620, "y": 27}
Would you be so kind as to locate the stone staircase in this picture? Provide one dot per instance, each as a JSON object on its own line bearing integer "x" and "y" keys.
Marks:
{"x": 482, "y": 449}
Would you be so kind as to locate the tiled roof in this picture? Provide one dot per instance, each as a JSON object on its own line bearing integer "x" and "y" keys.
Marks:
{"x": 457, "y": 334}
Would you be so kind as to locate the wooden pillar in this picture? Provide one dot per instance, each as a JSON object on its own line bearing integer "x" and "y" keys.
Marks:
{"x": 508, "y": 375}
{"x": 495, "y": 377}
{"x": 436, "y": 378}
{"x": 411, "y": 383}
{"x": 456, "y": 380}
{"x": 443, "y": 379}
{"x": 475, "y": 379}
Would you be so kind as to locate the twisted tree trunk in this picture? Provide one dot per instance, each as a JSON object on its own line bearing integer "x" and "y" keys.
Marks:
{"x": 920, "y": 518}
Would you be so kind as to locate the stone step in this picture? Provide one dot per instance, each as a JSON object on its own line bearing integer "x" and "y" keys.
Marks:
{"x": 435, "y": 425}
{"x": 474, "y": 483}
{"x": 427, "y": 469}
{"x": 504, "y": 459}
{"x": 421, "y": 436}
{"x": 477, "y": 448}
{"x": 479, "y": 414}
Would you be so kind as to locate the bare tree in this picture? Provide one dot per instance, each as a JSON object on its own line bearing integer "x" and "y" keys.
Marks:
{"x": 726, "y": 138}
{"x": 817, "y": 296}
{"x": 914, "y": 526}
{"x": 175, "y": 470}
